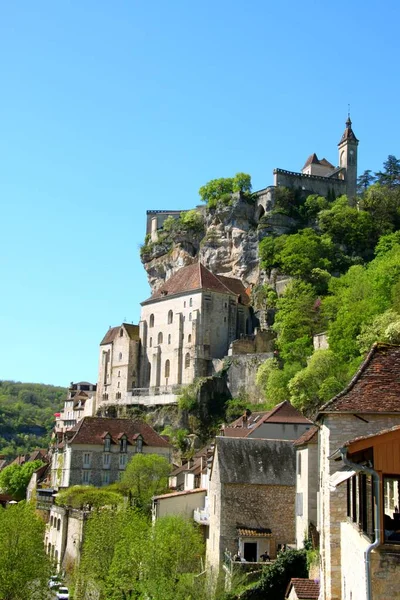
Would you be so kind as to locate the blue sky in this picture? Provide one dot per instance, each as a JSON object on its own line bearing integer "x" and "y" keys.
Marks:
{"x": 112, "y": 108}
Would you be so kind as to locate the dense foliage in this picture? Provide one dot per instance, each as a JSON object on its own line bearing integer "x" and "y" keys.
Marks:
{"x": 219, "y": 191}
{"x": 124, "y": 556}
{"x": 27, "y": 415}
{"x": 146, "y": 475}
{"x": 345, "y": 273}
{"x": 14, "y": 479}
{"x": 24, "y": 566}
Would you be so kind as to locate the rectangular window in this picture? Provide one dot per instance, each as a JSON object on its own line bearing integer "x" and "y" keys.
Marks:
{"x": 299, "y": 504}
{"x": 106, "y": 461}
{"x": 391, "y": 517}
{"x": 86, "y": 460}
{"x": 85, "y": 477}
{"x": 360, "y": 503}
{"x": 105, "y": 477}
{"x": 123, "y": 459}
{"x": 299, "y": 463}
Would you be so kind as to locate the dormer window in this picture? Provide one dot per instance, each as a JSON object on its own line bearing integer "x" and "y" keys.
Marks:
{"x": 123, "y": 444}
{"x": 139, "y": 444}
{"x": 107, "y": 443}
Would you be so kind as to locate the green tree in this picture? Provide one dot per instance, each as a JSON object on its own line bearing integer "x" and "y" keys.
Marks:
{"x": 24, "y": 566}
{"x": 80, "y": 496}
{"x": 383, "y": 204}
{"x": 146, "y": 475}
{"x": 274, "y": 379}
{"x": 296, "y": 322}
{"x": 364, "y": 181}
{"x": 14, "y": 479}
{"x": 382, "y": 329}
{"x": 390, "y": 175}
{"x": 216, "y": 189}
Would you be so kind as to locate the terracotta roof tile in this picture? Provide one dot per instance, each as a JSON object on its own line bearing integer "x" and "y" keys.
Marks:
{"x": 198, "y": 277}
{"x": 306, "y": 589}
{"x": 182, "y": 493}
{"x": 375, "y": 388}
{"x": 309, "y": 437}
{"x": 91, "y": 430}
{"x": 248, "y": 532}
{"x": 283, "y": 412}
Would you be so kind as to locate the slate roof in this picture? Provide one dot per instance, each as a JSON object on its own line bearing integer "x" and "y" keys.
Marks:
{"x": 113, "y": 332}
{"x": 309, "y": 437}
{"x": 283, "y": 412}
{"x": 306, "y": 589}
{"x": 92, "y": 430}
{"x": 375, "y": 388}
{"x": 197, "y": 277}
{"x": 348, "y": 133}
{"x": 255, "y": 461}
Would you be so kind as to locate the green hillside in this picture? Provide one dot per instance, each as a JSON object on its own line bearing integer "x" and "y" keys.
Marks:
{"x": 27, "y": 415}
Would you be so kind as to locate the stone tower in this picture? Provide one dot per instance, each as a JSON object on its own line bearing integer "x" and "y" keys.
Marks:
{"x": 348, "y": 159}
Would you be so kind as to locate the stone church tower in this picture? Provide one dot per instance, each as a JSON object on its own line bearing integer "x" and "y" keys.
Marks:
{"x": 348, "y": 160}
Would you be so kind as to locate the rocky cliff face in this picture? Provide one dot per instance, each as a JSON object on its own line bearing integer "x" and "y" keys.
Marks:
{"x": 228, "y": 245}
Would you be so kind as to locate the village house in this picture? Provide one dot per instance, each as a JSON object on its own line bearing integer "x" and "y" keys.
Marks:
{"x": 80, "y": 402}
{"x": 97, "y": 450}
{"x": 306, "y": 487}
{"x": 283, "y": 422}
{"x": 251, "y": 499}
{"x": 370, "y": 532}
{"x": 302, "y": 589}
{"x": 369, "y": 404}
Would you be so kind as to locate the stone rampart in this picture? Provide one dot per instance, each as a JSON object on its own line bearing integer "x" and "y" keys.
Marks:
{"x": 312, "y": 184}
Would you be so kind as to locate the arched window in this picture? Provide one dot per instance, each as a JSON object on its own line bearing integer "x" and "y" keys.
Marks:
{"x": 121, "y": 332}
{"x": 190, "y": 316}
{"x": 189, "y": 338}
{"x": 167, "y": 368}
{"x": 170, "y": 316}
{"x": 150, "y": 342}
{"x": 187, "y": 360}
{"x": 184, "y": 304}
{"x": 119, "y": 373}
{"x": 151, "y": 324}
{"x": 160, "y": 338}
{"x": 58, "y": 524}
{"x": 169, "y": 338}
{"x": 120, "y": 356}
{"x": 191, "y": 302}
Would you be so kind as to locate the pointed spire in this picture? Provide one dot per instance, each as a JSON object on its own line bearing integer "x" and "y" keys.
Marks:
{"x": 348, "y": 132}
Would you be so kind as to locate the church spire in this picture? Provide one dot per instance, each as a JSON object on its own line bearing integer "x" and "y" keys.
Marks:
{"x": 348, "y": 132}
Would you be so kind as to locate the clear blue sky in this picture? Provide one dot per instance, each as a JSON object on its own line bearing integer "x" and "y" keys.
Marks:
{"x": 112, "y": 108}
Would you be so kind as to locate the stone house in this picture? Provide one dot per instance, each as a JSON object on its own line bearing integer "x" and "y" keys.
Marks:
{"x": 283, "y": 422}
{"x": 370, "y": 532}
{"x": 306, "y": 486}
{"x": 118, "y": 363}
{"x": 64, "y": 536}
{"x": 97, "y": 450}
{"x": 80, "y": 402}
{"x": 251, "y": 499}
{"x": 370, "y": 403}
{"x": 191, "y": 319}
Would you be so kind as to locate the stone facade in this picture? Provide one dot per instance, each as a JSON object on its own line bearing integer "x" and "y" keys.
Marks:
{"x": 335, "y": 430}
{"x": 64, "y": 536}
{"x": 306, "y": 491}
{"x": 242, "y": 375}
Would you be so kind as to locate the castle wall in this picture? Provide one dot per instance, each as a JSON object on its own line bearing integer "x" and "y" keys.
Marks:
{"x": 311, "y": 184}
{"x": 242, "y": 375}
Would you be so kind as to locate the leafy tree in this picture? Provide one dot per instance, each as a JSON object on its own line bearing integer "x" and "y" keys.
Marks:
{"x": 322, "y": 378}
{"x": 216, "y": 189}
{"x": 274, "y": 379}
{"x": 383, "y": 328}
{"x": 387, "y": 242}
{"x": 14, "y": 479}
{"x": 390, "y": 175}
{"x": 364, "y": 181}
{"x": 24, "y": 566}
{"x": 383, "y": 204}
{"x": 146, "y": 475}
{"x": 296, "y": 322}
{"x": 81, "y": 496}
{"x": 313, "y": 205}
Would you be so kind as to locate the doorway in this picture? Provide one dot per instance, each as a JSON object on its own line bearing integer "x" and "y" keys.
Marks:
{"x": 250, "y": 551}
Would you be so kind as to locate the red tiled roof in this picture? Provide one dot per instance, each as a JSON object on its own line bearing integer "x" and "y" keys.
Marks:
{"x": 248, "y": 532}
{"x": 283, "y": 412}
{"x": 314, "y": 160}
{"x": 113, "y": 332}
{"x": 309, "y": 437}
{"x": 183, "y": 493}
{"x": 198, "y": 277}
{"x": 375, "y": 388}
{"x": 306, "y": 589}
{"x": 91, "y": 430}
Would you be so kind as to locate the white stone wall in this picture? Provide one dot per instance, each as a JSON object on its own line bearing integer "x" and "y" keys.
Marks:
{"x": 183, "y": 505}
{"x": 352, "y": 552}
{"x": 56, "y": 533}
{"x": 335, "y": 430}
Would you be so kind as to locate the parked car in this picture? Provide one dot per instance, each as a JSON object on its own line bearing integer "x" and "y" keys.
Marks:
{"x": 63, "y": 593}
{"x": 54, "y": 582}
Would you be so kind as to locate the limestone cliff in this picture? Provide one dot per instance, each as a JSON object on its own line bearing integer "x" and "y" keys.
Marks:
{"x": 227, "y": 245}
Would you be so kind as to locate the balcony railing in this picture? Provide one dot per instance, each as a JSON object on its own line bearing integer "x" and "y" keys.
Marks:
{"x": 231, "y": 565}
